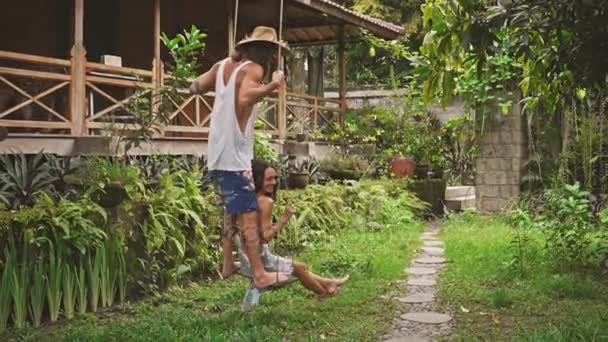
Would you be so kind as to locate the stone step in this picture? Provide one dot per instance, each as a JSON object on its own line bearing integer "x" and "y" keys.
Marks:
{"x": 416, "y": 298}
{"x": 452, "y": 192}
{"x": 433, "y": 251}
{"x": 427, "y": 317}
{"x": 431, "y": 243}
{"x": 461, "y": 203}
{"x": 420, "y": 270}
{"x": 411, "y": 338}
{"x": 421, "y": 282}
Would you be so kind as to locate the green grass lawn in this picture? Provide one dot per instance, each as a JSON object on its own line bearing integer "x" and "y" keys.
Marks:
{"x": 210, "y": 311}
{"x": 493, "y": 302}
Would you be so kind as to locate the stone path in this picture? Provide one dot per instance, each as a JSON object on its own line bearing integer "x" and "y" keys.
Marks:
{"x": 417, "y": 320}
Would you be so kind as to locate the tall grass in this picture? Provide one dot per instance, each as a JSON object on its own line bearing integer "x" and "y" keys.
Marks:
{"x": 81, "y": 287}
{"x": 69, "y": 290}
{"x": 6, "y": 290}
{"x": 54, "y": 276}
{"x": 38, "y": 292}
{"x": 547, "y": 303}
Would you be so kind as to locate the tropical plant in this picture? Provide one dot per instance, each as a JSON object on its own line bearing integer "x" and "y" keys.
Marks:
{"x": 38, "y": 292}
{"x": 24, "y": 178}
{"x": 263, "y": 149}
{"x": 6, "y": 291}
{"x": 521, "y": 221}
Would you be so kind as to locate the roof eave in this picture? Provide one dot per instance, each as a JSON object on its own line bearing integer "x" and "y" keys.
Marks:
{"x": 350, "y": 18}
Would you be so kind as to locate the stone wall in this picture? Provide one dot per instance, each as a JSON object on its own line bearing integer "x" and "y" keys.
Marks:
{"x": 502, "y": 153}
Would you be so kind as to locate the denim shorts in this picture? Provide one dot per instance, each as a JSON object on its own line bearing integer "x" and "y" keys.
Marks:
{"x": 237, "y": 190}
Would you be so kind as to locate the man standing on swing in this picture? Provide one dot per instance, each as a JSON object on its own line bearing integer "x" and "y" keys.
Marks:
{"x": 237, "y": 81}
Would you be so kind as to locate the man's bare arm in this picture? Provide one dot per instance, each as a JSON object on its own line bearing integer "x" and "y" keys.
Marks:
{"x": 252, "y": 89}
{"x": 204, "y": 82}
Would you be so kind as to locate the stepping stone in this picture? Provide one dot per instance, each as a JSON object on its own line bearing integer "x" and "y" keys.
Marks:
{"x": 436, "y": 251}
{"x": 429, "y": 234}
{"x": 430, "y": 260}
{"x": 428, "y": 238}
{"x": 423, "y": 297}
{"x": 421, "y": 282}
{"x": 420, "y": 270}
{"x": 433, "y": 243}
{"x": 427, "y": 317}
{"x": 412, "y": 338}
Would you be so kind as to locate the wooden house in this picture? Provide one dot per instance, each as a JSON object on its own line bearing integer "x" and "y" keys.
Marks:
{"x": 69, "y": 67}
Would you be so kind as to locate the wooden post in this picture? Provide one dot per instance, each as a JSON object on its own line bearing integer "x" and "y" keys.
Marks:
{"x": 282, "y": 111}
{"x": 157, "y": 65}
{"x": 78, "y": 73}
{"x": 342, "y": 74}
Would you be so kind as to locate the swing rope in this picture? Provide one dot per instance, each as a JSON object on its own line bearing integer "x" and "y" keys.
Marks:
{"x": 280, "y": 59}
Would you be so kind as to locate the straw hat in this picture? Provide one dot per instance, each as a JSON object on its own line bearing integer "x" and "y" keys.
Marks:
{"x": 263, "y": 34}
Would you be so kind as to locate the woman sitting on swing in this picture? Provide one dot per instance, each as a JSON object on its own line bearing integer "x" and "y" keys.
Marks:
{"x": 265, "y": 178}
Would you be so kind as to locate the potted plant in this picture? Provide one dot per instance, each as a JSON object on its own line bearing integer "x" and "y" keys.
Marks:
{"x": 301, "y": 128}
{"x": 298, "y": 174}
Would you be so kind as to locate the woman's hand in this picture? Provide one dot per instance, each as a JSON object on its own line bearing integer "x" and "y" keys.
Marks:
{"x": 289, "y": 211}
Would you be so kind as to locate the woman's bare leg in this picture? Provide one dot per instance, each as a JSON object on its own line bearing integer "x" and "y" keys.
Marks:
{"x": 332, "y": 286}
{"x": 308, "y": 279}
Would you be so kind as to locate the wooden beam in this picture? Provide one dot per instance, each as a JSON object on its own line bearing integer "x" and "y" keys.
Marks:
{"x": 21, "y": 57}
{"x": 342, "y": 73}
{"x": 78, "y": 73}
{"x": 34, "y": 74}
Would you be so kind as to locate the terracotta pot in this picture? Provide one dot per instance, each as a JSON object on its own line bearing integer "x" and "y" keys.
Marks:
{"x": 402, "y": 167}
{"x": 298, "y": 180}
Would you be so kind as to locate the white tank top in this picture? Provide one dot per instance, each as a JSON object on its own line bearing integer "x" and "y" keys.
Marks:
{"x": 230, "y": 149}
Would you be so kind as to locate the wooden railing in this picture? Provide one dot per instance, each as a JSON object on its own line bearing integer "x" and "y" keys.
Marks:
{"x": 36, "y": 92}
{"x": 110, "y": 92}
{"x": 307, "y": 113}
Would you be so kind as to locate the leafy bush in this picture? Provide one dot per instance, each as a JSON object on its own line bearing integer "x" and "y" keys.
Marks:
{"x": 347, "y": 166}
{"x": 262, "y": 148}
{"x": 573, "y": 234}
{"x": 65, "y": 254}
{"x": 322, "y": 211}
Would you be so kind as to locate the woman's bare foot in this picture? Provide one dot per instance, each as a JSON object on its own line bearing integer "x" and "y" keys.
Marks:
{"x": 270, "y": 280}
{"x": 333, "y": 286}
{"x": 230, "y": 269}
{"x": 342, "y": 280}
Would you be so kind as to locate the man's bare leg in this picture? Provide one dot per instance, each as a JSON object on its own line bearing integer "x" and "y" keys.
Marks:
{"x": 230, "y": 229}
{"x": 248, "y": 223}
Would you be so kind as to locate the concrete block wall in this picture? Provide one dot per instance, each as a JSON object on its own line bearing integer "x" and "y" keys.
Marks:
{"x": 502, "y": 153}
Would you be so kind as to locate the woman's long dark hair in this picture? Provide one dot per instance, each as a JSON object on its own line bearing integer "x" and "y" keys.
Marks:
{"x": 259, "y": 168}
